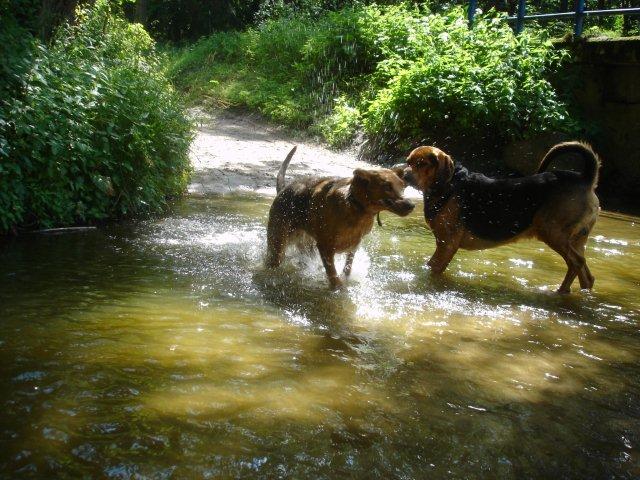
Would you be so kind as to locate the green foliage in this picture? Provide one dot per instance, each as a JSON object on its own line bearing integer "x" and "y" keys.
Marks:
{"x": 288, "y": 68}
{"x": 338, "y": 128}
{"x": 94, "y": 131}
{"x": 189, "y": 20}
{"x": 400, "y": 74}
{"x": 273, "y": 9}
{"x": 440, "y": 79}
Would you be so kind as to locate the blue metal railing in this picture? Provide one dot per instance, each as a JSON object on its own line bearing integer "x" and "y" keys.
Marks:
{"x": 578, "y": 14}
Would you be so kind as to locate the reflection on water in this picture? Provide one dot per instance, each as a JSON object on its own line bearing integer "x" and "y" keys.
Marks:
{"x": 164, "y": 350}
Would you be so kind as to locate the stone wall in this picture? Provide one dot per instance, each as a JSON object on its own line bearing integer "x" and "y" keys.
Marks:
{"x": 606, "y": 92}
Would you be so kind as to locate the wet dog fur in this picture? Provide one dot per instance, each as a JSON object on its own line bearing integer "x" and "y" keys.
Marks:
{"x": 335, "y": 213}
{"x": 471, "y": 211}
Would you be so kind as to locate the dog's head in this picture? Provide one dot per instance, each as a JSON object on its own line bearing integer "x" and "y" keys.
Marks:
{"x": 430, "y": 167}
{"x": 379, "y": 190}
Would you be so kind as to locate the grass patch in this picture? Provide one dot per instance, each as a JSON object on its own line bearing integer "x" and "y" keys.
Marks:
{"x": 400, "y": 75}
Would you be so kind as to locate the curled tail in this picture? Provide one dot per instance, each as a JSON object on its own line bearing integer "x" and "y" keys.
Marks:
{"x": 591, "y": 160}
{"x": 283, "y": 169}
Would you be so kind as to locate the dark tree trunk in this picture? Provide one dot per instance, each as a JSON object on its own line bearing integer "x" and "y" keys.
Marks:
{"x": 52, "y": 14}
{"x": 142, "y": 12}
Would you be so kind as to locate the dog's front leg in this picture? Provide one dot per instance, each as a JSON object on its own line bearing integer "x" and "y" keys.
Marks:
{"x": 327, "y": 256}
{"x": 442, "y": 256}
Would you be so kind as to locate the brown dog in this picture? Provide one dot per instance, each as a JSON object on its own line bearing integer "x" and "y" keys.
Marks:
{"x": 471, "y": 211}
{"x": 335, "y": 212}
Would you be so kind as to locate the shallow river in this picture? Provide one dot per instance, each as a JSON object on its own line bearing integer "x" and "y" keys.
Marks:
{"x": 164, "y": 350}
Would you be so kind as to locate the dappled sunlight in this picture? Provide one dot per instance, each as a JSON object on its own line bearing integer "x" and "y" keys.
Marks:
{"x": 505, "y": 364}
{"x": 315, "y": 397}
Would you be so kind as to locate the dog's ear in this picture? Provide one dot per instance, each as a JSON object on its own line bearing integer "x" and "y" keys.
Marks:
{"x": 399, "y": 169}
{"x": 361, "y": 176}
{"x": 445, "y": 168}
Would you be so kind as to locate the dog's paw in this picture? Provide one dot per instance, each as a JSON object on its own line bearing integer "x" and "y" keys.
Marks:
{"x": 335, "y": 283}
{"x": 436, "y": 269}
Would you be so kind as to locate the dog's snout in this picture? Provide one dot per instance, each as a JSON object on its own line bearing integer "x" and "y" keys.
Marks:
{"x": 409, "y": 178}
{"x": 399, "y": 168}
{"x": 403, "y": 207}
{"x": 407, "y": 205}
{"x": 405, "y": 172}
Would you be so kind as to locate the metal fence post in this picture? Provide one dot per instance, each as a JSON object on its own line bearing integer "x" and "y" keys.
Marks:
{"x": 579, "y": 18}
{"x": 577, "y": 14}
{"x": 473, "y": 5}
{"x": 520, "y": 16}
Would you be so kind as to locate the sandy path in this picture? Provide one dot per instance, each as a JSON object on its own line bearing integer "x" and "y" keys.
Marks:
{"x": 233, "y": 152}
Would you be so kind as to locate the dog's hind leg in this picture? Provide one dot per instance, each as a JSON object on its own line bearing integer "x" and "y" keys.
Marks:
{"x": 441, "y": 258}
{"x": 573, "y": 267}
{"x": 586, "y": 278}
{"x": 349, "y": 263}
{"x": 576, "y": 250}
{"x": 276, "y": 245}
{"x": 327, "y": 255}
{"x": 570, "y": 276}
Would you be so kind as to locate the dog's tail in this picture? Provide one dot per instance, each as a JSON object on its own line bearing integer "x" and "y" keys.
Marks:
{"x": 591, "y": 160}
{"x": 283, "y": 169}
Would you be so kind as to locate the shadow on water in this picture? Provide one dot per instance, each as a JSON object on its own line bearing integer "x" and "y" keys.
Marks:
{"x": 49, "y": 275}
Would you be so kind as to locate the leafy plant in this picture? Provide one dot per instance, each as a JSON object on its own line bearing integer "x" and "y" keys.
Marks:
{"x": 400, "y": 74}
{"x": 445, "y": 81}
{"x": 95, "y": 131}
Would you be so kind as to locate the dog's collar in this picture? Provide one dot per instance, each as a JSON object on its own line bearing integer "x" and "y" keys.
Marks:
{"x": 436, "y": 198}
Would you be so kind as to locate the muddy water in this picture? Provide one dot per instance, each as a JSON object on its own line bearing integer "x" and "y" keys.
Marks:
{"x": 163, "y": 350}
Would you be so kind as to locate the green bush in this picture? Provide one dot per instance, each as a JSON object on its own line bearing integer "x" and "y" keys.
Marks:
{"x": 399, "y": 74}
{"x": 288, "y": 68}
{"x": 95, "y": 130}
{"x": 447, "y": 81}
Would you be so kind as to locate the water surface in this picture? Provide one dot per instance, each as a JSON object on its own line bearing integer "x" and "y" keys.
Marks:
{"x": 164, "y": 350}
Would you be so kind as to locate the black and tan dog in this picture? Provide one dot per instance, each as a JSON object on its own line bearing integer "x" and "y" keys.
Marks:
{"x": 335, "y": 213}
{"x": 471, "y": 211}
